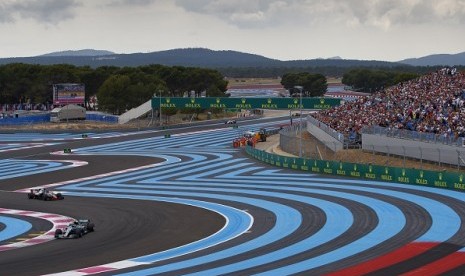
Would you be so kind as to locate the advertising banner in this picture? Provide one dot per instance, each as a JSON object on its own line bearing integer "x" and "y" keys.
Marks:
{"x": 438, "y": 179}
{"x": 245, "y": 103}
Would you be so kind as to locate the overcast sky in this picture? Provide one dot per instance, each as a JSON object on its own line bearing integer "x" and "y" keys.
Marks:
{"x": 388, "y": 30}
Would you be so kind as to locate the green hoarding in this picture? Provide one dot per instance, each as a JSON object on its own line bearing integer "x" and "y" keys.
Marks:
{"x": 438, "y": 179}
{"x": 245, "y": 103}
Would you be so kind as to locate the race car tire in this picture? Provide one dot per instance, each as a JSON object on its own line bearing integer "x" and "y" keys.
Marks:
{"x": 58, "y": 232}
{"x": 90, "y": 227}
{"x": 30, "y": 196}
{"x": 60, "y": 196}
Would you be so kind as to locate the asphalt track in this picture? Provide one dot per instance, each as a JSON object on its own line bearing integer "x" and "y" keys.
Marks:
{"x": 124, "y": 229}
{"x": 302, "y": 223}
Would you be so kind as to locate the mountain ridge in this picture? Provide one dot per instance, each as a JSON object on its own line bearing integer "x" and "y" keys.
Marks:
{"x": 436, "y": 60}
{"x": 203, "y": 57}
{"x": 83, "y": 52}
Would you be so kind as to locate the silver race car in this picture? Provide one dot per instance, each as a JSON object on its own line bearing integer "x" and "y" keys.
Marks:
{"x": 75, "y": 230}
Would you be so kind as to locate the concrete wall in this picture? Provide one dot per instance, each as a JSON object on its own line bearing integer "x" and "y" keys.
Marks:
{"x": 327, "y": 139}
{"x": 135, "y": 112}
{"x": 439, "y": 153}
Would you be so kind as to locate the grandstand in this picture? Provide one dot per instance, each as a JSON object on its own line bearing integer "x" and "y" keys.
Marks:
{"x": 433, "y": 103}
{"x": 422, "y": 119}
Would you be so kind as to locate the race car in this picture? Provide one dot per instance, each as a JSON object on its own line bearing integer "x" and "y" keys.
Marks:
{"x": 44, "y": 194}
{"x": 76, "y": 229}
{"x": 258, "y": 136}
{"x": 230, "y": 122}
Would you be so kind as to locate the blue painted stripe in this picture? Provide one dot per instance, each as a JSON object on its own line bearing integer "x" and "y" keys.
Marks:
{"x": 194, "y": 167}
{"x": 336, "y": 215}
{"x": 237, "y": 223}
{"x": 328, "y": 258}
{"x": 224, "y": 166}
{"x": 30, "y": 167}
{"x": 25, "y": 137}
{"x": 337, "y": 223}
{"x": 236, "y": 172}
{"x": 441, "y": 214}
{"x": 158, "y": 171}
{"x": 13, "y": 227}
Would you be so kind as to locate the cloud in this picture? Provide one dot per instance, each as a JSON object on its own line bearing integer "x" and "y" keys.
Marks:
{"x": 130, "y": 2}
{"x": 5, "y": 15}
{"x": 380, "y": 14}
{"x": 43, "y": 11}
{"x": 242, "y": 13}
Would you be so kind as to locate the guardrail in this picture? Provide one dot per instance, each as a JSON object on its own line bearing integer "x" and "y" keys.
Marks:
{"x": 442, "y": 179}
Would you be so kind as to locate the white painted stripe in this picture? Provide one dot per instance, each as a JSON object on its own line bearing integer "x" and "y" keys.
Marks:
{"x": 56, "y": 184}
{"x": 68, "y": 273}
{"x": 124, "y": 264}
{"x": 26, "y": 145}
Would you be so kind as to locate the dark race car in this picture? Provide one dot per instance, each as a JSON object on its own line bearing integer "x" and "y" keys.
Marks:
{"x": 44, "y": 194}
{"x": 75, "y": 229}
{"x": 230, "y": 122}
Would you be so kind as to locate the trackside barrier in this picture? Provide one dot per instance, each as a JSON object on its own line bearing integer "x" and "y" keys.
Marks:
{"x": 101, "y": 117}
{"x": 443, "y": 179}
{"x": 45, "y": 118}
{"x": 25, "y": 120}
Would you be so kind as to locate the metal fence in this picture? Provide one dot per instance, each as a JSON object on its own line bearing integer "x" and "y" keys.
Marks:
{"x": 415, "y": 135}
{"x": 290, "y": 141}
{"x": 423, "y": 156}
{"x": 447, "y": 158}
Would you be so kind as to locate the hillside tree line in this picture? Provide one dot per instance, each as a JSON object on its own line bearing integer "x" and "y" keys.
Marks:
{"x": 312, "y": 85}
{"x": 370, "y": 81}
{"x": 121, "y": 88}
{"x": 117, "y": 89}
{"x": 329, "y": 71}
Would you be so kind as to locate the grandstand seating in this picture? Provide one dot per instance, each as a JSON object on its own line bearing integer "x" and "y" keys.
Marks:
{"x": 433, "y": 103}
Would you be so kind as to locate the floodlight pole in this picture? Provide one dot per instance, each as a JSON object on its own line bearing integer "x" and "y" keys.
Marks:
{"x": 300, "y": 124}
{"x": 159, "y": 106}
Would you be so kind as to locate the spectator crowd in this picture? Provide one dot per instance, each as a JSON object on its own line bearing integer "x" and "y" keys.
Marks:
{"x": 8, "y": 110}
{"x": 432, "y": 103}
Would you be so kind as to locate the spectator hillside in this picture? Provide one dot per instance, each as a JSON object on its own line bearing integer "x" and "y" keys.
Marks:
{"x": 433, "y": 103}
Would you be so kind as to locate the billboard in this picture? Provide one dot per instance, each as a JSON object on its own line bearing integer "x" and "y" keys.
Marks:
{"x": 439, "y": 179}
{"x": 68, "y": 93}
{"x": 246, "y": 103}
